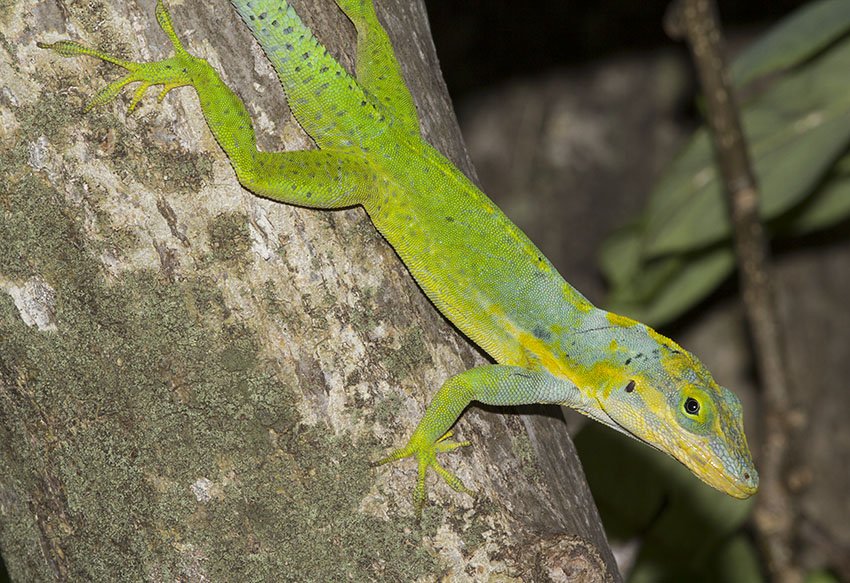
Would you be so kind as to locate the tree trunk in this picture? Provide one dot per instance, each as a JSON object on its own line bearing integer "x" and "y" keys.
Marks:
{"x": 194, "y": 380}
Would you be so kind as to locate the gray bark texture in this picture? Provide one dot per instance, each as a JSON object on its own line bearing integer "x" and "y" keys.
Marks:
{"x": 194, "y": 380}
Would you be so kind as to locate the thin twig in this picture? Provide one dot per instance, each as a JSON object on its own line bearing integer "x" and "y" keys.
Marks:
{"x": 696, "y": 21}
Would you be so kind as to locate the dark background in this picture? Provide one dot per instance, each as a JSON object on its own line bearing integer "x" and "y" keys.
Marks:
{"x": 485, "y": 42}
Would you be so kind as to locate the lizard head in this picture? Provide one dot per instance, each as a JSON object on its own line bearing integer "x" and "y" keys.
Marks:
{"x": 663, "y": 395}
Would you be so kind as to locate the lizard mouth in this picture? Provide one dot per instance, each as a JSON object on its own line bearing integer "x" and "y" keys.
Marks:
{"x": 739, "y": 484}
{"x": 697, "y": 458}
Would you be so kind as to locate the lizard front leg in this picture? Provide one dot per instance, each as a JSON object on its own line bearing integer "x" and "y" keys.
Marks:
{"x": 495, "y": 384}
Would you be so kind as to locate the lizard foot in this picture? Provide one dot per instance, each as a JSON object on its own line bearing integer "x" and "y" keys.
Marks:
{"x": 173, "y": 72}
{"x": 426, "y": 456}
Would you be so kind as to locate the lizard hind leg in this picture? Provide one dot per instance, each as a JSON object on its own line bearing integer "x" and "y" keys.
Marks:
{"x": 173, "y": 72}
{"x": 378, "y": 70}
{"x": 226, "y": 115}
{"x": 321, "y": 179}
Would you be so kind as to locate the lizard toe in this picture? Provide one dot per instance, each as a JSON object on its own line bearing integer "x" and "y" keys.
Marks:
{"x": 426, "y": 457}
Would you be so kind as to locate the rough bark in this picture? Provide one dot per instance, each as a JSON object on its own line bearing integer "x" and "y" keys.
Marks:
{"x": 193, "y": 380}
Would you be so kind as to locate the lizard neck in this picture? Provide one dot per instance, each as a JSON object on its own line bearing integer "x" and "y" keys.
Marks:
{"x": 589, "y": 347}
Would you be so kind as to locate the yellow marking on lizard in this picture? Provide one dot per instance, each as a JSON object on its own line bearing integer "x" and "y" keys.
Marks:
{"x": 618, "y": 320}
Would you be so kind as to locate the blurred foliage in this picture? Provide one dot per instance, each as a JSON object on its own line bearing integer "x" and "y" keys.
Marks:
{"x": 821, "y": 577}
{"x": 686, "y": 531}
{"x": 796, "y": 118}
{"x": 797, "y": 123}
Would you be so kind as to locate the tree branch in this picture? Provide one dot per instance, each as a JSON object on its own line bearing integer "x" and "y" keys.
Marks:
{"x": 696, "y": 22}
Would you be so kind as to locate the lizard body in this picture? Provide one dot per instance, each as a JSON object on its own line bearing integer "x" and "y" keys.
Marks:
{"x": 481, "y": 271}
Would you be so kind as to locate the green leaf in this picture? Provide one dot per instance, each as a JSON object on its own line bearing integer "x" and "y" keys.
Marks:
{"x": 821, "y": 577}
{"x": 736, "y": 561}
{"x": 619, "y": 257}
{"x": 633, "y": 282}
{"x": 826, "y": 207}
{"x": 658, "y": 291}
{"x": 798, "y": 37}
{"x": 796, "y": 130}
{"x": 664, "y": 289}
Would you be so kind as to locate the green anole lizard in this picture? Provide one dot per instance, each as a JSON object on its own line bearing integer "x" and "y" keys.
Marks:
{"x": 551, "y": 345}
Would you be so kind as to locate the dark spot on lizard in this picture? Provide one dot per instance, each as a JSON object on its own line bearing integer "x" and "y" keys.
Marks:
{"x": 630, "y": 387}
{"x": 542, "y": 334}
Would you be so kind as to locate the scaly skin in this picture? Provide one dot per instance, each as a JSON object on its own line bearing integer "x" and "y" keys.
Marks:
{"x": 478, "y": 268}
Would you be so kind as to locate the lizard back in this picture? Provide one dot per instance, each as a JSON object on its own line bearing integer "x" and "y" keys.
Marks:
{"x": 480, "y": 270}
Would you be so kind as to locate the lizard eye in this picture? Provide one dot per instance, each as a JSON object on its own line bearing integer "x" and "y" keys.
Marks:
{"x": 691, "y": 406}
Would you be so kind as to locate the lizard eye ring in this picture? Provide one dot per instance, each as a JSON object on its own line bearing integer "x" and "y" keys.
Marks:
{"x": 691, "y": 406}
